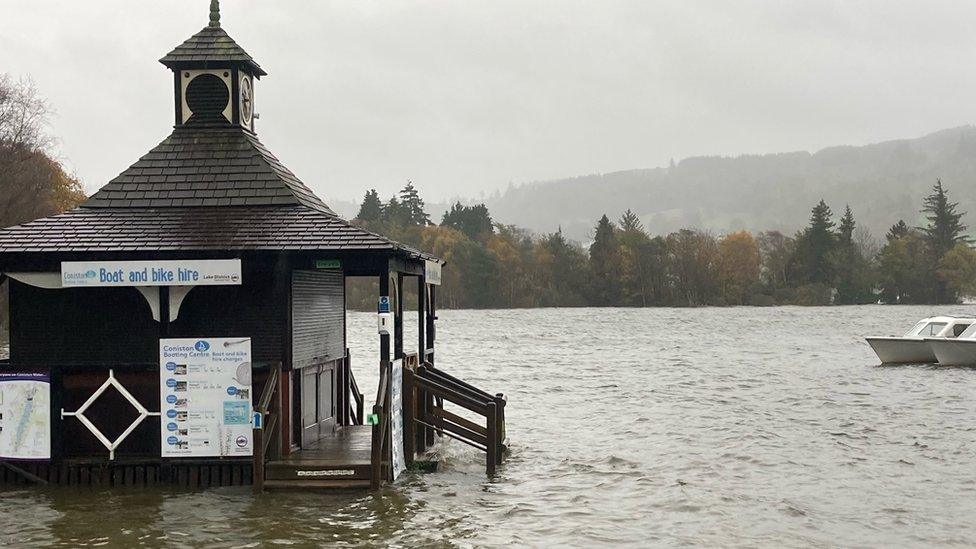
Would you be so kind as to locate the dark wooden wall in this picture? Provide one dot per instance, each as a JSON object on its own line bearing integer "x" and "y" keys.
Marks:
{"x": 257, "y": 309}
{"x": 80, "y": 326}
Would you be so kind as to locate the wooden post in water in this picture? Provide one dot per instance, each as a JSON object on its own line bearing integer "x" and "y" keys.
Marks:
{"x": 492, "y": 424}
{"x": 500, "y": 402}
{"x": 409, "y": 413}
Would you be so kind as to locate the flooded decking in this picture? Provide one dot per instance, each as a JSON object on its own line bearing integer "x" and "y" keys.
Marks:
{"x": 341, "y": 460}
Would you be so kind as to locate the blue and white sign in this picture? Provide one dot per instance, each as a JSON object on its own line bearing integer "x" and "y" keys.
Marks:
{"x": 205, "y": 388}
{"x": 189, "y": 272}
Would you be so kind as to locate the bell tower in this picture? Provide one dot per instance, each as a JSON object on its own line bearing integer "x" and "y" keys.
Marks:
{"x": 213, "y": 78}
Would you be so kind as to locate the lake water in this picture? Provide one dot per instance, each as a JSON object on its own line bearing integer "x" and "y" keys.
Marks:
{"x": 716, "y": 427}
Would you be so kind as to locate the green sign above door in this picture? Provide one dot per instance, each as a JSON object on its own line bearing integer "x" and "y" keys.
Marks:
{"x": 328, "y": 264}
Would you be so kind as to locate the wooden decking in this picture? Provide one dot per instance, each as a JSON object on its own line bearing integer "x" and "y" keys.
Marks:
{"x": 336, "y": 462}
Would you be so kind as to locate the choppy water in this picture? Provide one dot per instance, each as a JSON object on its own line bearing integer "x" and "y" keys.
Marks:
{"x": 731, "y": 427}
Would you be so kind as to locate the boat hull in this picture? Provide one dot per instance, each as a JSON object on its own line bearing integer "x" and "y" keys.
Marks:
{"x": 954, "y": 352}
{"x": 902, "y": 350}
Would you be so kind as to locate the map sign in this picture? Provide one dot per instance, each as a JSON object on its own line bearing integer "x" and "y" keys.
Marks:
{"x": 396, "y": 418}
{"x": 25, "y": 416}
{"x": 205, "y": 397}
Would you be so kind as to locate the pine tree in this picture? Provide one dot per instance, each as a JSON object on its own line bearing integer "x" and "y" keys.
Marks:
{"x": 845, "y": 232}
{"x": 897, "y": 230}
{"x": 812, "y": 261}
{"x": 852, "y": 270}
{"x": 371, "y": 209}
{"x": 414, "y": 205}
{"x": 629, "y": 222}
{"x": 474, "y": 221}
{"x": 605, "y": 264}
{"x": 945, "y": 228}
{"x": 944, "y": 231}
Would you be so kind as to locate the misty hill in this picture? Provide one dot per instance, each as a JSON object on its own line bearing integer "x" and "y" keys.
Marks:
{"x": 882, "y": 182}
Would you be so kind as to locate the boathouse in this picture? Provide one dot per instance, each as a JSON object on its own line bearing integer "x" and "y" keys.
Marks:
{"x": 187, "y": 323}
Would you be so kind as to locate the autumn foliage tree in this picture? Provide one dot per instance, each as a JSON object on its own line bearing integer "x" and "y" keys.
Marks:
{"x": 33, "y": 183}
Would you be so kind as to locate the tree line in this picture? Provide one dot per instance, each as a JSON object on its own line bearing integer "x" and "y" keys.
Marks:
{"x": 33, "y": 181}
{"x": 830, "y": 261}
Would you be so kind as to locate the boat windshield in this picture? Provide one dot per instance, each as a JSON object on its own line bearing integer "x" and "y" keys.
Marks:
{"x": 916, "y": 329}
{"x": 932, "y": 329}
{"x": 970, "y": 332}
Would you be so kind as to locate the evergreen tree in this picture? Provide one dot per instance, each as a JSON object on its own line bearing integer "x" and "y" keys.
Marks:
{"x": 605, "y": 265}
{"x": 630, "y": 223}
{"x": 371, "y": 209}
{"x": 897, "y": 230}
{"x": 474, "y": 221}
{"x": 852, "y": 270}
{"x": 396, "y": 216}
{"x": 811, "y": 263}
{"x": 945, "y": 227}
{"x": 845, "y": 232}
{"x": 944, "y": 230}
{"x": 414, "y": 206}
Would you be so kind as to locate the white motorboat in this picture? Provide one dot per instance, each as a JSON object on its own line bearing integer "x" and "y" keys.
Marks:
{"x": 958, "y": 351}
{"x": 915, "y": 346}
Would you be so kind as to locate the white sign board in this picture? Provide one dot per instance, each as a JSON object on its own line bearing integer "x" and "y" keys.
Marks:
{"x": 189, "y": 272}
{"x": 432, "y": 272}
{"x": 205, "y": 397}
{"x": 25, "y": 416}
{"x": 396, "y": 418}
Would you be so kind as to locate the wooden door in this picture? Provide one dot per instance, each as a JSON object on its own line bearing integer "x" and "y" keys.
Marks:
{"x": 318, "y": 403}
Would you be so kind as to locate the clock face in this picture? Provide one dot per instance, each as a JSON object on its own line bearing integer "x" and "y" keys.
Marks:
{"x": 247, "y": 101}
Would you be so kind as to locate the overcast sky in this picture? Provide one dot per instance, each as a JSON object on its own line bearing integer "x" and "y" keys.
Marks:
{"x": 464, "y": 97}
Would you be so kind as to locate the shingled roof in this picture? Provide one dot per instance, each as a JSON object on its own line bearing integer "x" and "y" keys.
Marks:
{"x": 211, "y": 185}
{"x": 206, "y": 166}
{"x": 201, "y": 229}
{"x": 210, "y": 46}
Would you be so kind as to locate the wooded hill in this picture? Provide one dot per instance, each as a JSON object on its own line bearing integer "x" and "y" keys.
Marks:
{"x": 880, "y": 182}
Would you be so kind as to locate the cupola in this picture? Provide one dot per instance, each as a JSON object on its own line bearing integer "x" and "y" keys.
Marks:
{"x": 213, "y": 78}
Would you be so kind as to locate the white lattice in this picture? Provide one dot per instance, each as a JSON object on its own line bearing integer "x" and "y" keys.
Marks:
{"x": 80, "y": 414}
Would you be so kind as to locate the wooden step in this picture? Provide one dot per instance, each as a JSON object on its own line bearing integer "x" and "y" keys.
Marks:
{"x": 283, "y": 470}
{"x": 316, "y": 484}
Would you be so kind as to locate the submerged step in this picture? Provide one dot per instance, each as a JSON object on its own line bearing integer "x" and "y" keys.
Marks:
{"x": 316, "y": 484}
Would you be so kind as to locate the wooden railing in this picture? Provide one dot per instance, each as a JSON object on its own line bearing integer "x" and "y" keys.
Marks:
{"x": 427, "y": 389}
{"x": 380, "y": 447}
{"x": 267, "y": 441}
{"x": 351, "y": 403}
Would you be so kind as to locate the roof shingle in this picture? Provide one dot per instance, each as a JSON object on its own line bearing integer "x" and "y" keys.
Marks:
{"x": 210, "y": 46}
{"x": 293, "y": 227}
{"x": 203, "y": 166}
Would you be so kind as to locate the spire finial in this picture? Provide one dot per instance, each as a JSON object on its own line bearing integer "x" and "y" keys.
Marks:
{"x": 214, "y": 13}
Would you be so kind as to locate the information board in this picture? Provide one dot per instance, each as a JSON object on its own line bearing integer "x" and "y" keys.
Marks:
{"x": 189, "y": 272}
{"x": 396, "y": 418}
{"x": 25, "y": 416}
{"x": 205, "y": 397}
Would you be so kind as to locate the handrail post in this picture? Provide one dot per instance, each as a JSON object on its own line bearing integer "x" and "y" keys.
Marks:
{"x": 278, "y": 438}
{"x": 258, "y": 466}
{"x": 500, "y": 402}
{"x": 409, "y": 413}
{"x": 376, "y": 451}
{"x": 492, "y": 425}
